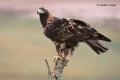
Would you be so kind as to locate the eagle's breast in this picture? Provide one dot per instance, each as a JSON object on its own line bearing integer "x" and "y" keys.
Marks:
{"x": 58, "y": 30}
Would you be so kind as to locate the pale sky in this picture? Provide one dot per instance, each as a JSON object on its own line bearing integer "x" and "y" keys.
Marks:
{"x": 61, "y": 8}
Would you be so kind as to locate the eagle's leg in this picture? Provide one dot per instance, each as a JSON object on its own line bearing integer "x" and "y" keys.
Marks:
{"x": 66, "y": 52}
{"x": 58, "y": 48}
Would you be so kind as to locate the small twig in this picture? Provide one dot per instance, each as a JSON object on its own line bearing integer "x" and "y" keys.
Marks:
{"x": 49, "y": 71}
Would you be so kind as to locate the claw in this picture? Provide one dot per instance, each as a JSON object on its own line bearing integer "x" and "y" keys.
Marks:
{"x": 56, "y": 58}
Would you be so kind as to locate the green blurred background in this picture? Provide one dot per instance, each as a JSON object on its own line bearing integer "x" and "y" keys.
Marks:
{"x": 23, "y": 46}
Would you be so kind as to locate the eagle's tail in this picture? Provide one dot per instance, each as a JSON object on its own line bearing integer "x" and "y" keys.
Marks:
{"x": 96, "y": 46}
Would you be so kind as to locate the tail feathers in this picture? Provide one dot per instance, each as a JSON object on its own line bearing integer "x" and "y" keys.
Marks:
{"x": 102, "y": 37}
{"x": 96, "y": 46}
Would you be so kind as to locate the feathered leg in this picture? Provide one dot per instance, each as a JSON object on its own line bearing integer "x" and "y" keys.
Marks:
{"x": 58, "y": 48}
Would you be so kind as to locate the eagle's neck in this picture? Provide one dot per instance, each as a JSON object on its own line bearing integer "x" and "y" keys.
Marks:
{"x": 43, "y": 19}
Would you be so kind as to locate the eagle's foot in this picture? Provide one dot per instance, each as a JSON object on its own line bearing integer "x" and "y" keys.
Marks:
{"x": 56, "y": 58}
{"x": 62, "y": 59}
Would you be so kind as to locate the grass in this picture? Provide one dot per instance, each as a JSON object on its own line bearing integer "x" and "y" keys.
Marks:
{"x": 23, "y": 48}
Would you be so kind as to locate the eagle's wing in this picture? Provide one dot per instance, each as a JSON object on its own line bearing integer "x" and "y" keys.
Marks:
{"x": 85, "y": 29}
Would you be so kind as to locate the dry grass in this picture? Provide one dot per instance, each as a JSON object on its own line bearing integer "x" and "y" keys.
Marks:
{"x": 23, "y": 48}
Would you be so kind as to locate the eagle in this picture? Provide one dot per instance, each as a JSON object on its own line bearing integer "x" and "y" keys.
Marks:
{"x": 66, "y": 34}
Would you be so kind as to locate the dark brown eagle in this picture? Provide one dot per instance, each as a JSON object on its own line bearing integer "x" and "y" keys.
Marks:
{"x": 66, "y": 34}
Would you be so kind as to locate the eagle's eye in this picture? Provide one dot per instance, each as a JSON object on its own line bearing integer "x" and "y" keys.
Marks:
{"x": 41, "y": 11}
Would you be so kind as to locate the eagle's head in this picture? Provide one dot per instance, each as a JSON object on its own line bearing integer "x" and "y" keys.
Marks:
{"x": 42, "y": 11}
{"x": 45, "y": 16}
